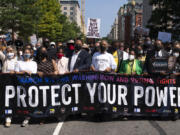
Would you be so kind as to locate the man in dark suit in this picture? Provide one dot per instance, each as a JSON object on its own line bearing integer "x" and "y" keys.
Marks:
{"x": 157, "y": 53}
{"x": 80, "y": 59}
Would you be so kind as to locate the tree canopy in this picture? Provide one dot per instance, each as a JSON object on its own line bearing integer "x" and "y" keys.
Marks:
{"x": 42, "y": 17}
{"x": 165, "y": 17}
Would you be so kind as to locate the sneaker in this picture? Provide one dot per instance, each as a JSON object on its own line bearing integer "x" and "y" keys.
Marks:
{"x": 25, "y": 123}
{"x": 8, "y": 122}
{"x": 125, "y": 118}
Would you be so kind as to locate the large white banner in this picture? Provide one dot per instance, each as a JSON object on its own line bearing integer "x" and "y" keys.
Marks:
{"x": 93, "y": 28}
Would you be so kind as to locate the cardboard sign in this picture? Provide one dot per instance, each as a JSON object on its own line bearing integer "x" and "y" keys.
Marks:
{"x": 93, "y": 28}
{"x": 164, "y": 36}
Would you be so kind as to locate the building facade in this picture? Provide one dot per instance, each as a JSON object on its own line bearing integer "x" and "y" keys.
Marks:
{"x": 121, "y": 24}
{"x": 71, "y": 9}
{"x": 113, "y": 35}
{"x": 129, "y": 17}
{"x": 147, "y": 12}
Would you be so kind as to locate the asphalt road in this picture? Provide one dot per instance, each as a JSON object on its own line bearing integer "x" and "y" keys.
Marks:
{"x": 85, "y": 126}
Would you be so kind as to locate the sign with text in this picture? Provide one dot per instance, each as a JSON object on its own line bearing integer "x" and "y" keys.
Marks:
{"x": 164, "y": 36}
{"x": 88, "y": 92}
{"x": 93, "y": 28}
{"x": 159, "y": 65}
{"x": 33, "y": 39}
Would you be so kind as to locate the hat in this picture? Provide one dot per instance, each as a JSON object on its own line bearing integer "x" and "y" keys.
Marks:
{"x": 52, "y": 43}
{"x": 85, "y": 46}
{"x": 70, "y": 42}
{"x": 19, "y": 43}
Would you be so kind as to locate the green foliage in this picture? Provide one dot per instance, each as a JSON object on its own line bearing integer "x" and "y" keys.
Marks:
{"x": 165, "y": 17}
{"x": 70, "y": 31}
{"x": 49, "y": 15}
{"x": 16, "y": 15}
{"x": 42, "y": 17}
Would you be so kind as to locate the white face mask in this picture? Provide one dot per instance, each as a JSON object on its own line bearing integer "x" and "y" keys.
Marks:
{"x": 10, "y": 55}
{"x": 176, "y": 54}
{"x": 20, "y": 53}
{"x": 141, "y": 51}
{"x": 131, "y": 57}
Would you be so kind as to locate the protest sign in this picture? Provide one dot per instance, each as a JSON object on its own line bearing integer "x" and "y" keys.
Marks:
{"x": 33, "y": 40}
{"x": 164, "y": 36}
{"x": 93, "y": 28}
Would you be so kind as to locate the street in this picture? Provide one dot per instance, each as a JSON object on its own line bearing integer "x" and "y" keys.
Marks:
{"x": 84, "y": 126}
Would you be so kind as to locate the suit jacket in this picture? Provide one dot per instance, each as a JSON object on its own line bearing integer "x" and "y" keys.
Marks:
{"x": 83, "y": 61}
{"x": 147, "y": 65}
{"x": 118, "y": 57}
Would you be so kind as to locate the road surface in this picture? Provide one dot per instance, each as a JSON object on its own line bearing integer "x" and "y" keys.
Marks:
{"x": 86, "y": 126}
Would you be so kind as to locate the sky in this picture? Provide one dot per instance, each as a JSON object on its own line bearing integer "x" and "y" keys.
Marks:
{"x": 106, "y": 10}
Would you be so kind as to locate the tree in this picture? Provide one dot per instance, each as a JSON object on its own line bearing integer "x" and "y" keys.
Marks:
{"x": 42, "y": 17}
{"x": 17, "y": 16}
{"x": 49, "y": 19}
{"x": 176, "y": 17}
{"x": 164, "y": 17}
{"x": 70, "y": 31}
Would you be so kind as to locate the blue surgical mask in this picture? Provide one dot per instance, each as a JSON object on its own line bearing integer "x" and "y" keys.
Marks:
{"x": 4, "y": 52}
{"x": 149, "y": 42}
{"x": 10, "y": 55}
{"x": 27, "y": 56}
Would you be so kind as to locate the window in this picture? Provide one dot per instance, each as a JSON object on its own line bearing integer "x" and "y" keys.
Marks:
{"x": 65, "y": 13}
{"x": 71, "y": 13}
{"x": 72, "y": 8}
{"x": 65, "y": 8}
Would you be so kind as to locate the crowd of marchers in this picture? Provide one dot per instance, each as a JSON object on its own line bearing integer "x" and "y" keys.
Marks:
{"x": 137, "y": 58}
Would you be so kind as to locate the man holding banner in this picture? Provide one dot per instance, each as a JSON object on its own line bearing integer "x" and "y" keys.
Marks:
{"x": 103, "y": 61}
{"x": 80, "y": 60}
{"x": 156, "y": 59}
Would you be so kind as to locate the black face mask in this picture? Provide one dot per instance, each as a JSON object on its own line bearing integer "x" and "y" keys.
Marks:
{"x": 114, "y": 49}
{"x": 176, "y": 50}
{"x": 46, "y": 44}
{"x": 148, "y": 43}
{"x": 96, "y": 49}
{"x": 168, "y": 49}
{"x": 43, "y": 55}
{"x": 102, "y": 49}
{"x": 86, "y": 49}
{"x": 158, "y": 48}
{"x": 77, "y": 47}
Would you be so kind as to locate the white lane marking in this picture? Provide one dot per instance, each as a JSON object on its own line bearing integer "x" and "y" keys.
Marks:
{"x": 58, "y": 128}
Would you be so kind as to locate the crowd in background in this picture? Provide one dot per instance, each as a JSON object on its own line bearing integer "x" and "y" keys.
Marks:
{"x": 53, "y": 58}
{"x": 74, "y": 56}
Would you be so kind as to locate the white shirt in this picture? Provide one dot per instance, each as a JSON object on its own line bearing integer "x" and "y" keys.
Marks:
{"x": 30, "y": 66}
{"x": 159, "y": 54}
{"x": 103, "y": 61}
{"x": 73, "y": 60}
{"x": 9, "y": 65}
{"x": 62, "y": 65}
{"x": 125, "y": 55}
